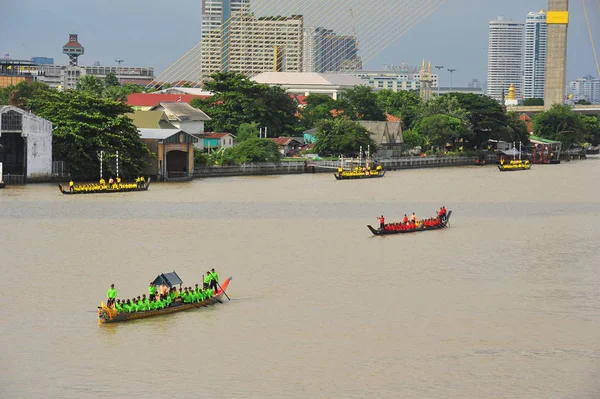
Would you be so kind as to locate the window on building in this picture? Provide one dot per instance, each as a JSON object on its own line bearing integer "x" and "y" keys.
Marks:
{"x": 11, "y": 121}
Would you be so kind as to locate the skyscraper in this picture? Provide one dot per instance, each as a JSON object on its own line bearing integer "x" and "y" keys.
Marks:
{"x": 216, "y": 12}
{"x": 505, "y": 58}
{"x": 326, "y": 51}
{"x": 534, "y": 67}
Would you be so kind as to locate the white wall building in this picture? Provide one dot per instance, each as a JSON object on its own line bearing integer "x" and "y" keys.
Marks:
{"x": 183, "y": 116}
{"x": 306, "y": 83}
{"x": 66, "y": 77}
{"x": 534, "y": 67}
{"x": 505, "y": 58}
{"x": 586, "y": 88}
{"x": 216, "y": 12}
{"x": 407, "y": 79}
{"x": 26, "y": 143}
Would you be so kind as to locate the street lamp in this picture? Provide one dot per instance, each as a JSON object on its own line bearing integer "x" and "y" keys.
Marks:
{"x": 451, "y": 70}
{"x": 119, "y": 62}
{"x": 439, "y": 68}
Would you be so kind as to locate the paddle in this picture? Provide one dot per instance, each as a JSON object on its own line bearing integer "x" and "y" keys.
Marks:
{"x": 222, "y": 290}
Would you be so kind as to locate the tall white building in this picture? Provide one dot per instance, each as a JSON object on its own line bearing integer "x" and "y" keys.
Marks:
{"x": 586, "y": 88}
{"x": 534, "y": 67}
{"x": 216, "y": 12}
{"x": 505, "y": 58}
{"x": 252, "y": 45}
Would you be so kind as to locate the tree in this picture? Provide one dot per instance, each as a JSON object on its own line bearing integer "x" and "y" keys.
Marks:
{"x": 533, "y": 101}
{"x": 18, "y": 94}
{"x": 360, "y": 103}
{"x": 404, "y": 104}
{"x": 412, "y": 138}
{"x": 255, "y": 150}
{"x": 591, "y": 128}
{"x": 318, "y": 106}
{"x": 111, "y": 80}
{"x": 237, "y": 99}
{"x": 560, "y": 123}
{"x": 85, "y": 124}
{"x": 247, "y": 131}
{"x": 582, "y": 102}
{"x": 440, "y": 129}
{"x": 516, "y": 129}
{"x": 91, "y": 85}
{"x": 341, "y": 136}
{"x": 486, "y": 117}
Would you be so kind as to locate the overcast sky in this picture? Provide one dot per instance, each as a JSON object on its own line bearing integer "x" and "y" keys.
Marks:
{"x": 156, "y": 33}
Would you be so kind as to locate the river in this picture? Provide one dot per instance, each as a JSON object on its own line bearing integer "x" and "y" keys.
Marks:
{"x": 503, "y": 304}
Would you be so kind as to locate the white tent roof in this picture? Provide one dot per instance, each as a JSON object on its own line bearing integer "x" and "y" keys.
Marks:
{"x": 308, "y": 79}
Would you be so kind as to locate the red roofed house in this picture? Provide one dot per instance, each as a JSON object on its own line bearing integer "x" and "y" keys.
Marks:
{"x": 288, "y": 146}
{"x": 145, "y": 101}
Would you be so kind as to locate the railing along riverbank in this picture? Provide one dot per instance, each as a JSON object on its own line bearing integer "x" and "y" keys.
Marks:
{"x": 284, "y": 168}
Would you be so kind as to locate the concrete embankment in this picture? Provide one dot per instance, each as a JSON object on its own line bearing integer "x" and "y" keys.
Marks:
{"x": 284, "y": 168}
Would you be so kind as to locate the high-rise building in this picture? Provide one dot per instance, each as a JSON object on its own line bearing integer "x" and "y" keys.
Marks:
{"x": 217, "y": 12}
{"x": 586, "y": 88}
{"x": 505, "y": 58}
{"x": 252, "y": 45}
{"x": 325, "y": 51}
{"x": 534, "y": 67}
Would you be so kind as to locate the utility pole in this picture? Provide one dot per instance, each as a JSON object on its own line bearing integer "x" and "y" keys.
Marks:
{"x": 439, "y": 68}
{"x": 119, "y": 62}
{"x": 451, "y": 70}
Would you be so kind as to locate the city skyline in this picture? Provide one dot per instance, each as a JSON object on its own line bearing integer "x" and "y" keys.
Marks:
{"x": 455, "y": 36}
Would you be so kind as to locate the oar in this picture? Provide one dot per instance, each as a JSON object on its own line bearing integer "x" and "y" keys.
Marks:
{"x": 222, "y": 290}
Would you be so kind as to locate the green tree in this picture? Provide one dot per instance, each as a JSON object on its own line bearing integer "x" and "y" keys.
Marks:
{"x": 91, "y": 85}
{"x": 591, "y": 128}
{"x": 237, "y": 99}
{"x": 486, "y": 117}
{"x": 256, "y": 150}
{"x": 582, "y": 102}
{"x": 247, "y": 131}
{"x": 404, "y": 104}
{"x": 360, "y": 103}
{"x": 440, "y": 129}
{"x": 111, "y": 80}
{"x": 516, "y": 129}
{"x": 533, "y": 101}
{"x": 341, "y": 136}
{"x": 85, "y": 124}
{"x": 412, "y": 138}
{"x": 318, "y": 106}
{"x": 18, "y": 94}
{"x": 560, "y": 123}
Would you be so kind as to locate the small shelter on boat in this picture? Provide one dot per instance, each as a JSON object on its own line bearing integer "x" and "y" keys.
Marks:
{"x": 174, "y": 150}
{"x": 170, "y": 279}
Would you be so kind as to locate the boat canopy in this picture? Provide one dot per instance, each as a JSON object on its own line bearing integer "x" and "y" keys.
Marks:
{"x": 170, "y": 279}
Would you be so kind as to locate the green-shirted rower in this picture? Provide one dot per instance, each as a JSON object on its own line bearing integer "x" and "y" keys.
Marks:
{"x": 111, "y": 294}
{"x": 152, "y": 289}
{"x": 214, "y": 280}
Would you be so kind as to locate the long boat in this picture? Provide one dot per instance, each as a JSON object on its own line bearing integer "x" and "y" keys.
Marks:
{"x": 347, "y": 175}
{"x": 107, "y": 190}
{"x": 513, "y": 167}
{"x": 383, "y": 232}
{"x": 107, "y": 315}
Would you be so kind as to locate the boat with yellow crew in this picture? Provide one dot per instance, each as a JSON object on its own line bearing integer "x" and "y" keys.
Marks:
{"x": 359, "y": 169}
{"x": 514, "y": 165}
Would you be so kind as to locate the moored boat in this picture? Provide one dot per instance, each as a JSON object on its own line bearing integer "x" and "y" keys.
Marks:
{"x": 514, "y": 166}
{"x": 120, "y": 188}
{"x": 111, "y": 315}
{"x": 389, "y": 230}
{"x": 359, "y": 174}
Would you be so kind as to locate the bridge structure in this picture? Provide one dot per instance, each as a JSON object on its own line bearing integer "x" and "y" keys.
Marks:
{"x": 268, "y": 33}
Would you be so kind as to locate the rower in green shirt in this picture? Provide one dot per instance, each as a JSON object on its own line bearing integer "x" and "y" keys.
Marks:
{"x": 111, "y": 294}
{"x": 152, "y": 289}
{"x": 214, "y": 279}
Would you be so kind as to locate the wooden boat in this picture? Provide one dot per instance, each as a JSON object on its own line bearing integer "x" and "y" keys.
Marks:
{"x": 347, "y": 175}
{"x": 383, "y": 232}
{"x": 106, "y": 315}
{"x": 514, "y": 166}
{"x": 108, "y": 190}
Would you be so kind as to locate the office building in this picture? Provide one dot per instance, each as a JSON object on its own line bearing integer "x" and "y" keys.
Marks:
{"x": 396, "y": 78}
{"x": 534, "y": 67}
{"x": 216, "y": 12}
{"x": 325, "y": 51}
{"x": 252, "y": 45}
{"x": 586, "y": 88}
{"x": 505, "y": 58}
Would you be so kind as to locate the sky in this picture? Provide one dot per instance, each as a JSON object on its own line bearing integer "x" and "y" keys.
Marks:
{"x": 155, "y": 33}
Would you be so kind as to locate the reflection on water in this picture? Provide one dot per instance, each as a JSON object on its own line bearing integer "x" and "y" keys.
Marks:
{"x": 504, "y": 304}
